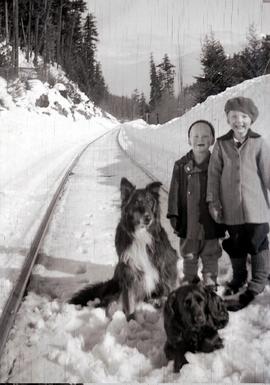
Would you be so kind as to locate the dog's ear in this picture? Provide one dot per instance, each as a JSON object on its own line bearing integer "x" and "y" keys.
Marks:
{"x": 170, "y": 306}
{"x": 126, "y": 188}
{"x": 154, "y": 187}
{"x": 217, "y": 313}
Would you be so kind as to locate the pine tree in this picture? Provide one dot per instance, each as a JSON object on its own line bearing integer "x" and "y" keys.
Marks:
{"x": 155, "y": 87}
{"x": 166, "y": 75}
{"x": 252, "y": 55}
{"x": 265, "y": 54}
{"x": 143, "y": 107}
{"x": 90, "y": 38}
{"x": 135, "y": 98}
{"x": 100, "y": 90}
{"x": 214, "y": 64}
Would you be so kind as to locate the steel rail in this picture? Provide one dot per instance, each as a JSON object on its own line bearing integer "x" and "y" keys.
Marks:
{"x": 15, "y": 298}
{"x": 133, "y": 160}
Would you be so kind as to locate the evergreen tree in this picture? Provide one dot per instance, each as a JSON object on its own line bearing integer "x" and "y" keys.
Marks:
{"x": 100, "y": 90}
{"x": 155, "y": 91}
{"x": 135, "y": 98}
{"x": 252, "y": 55}
{"x": 215, "y": 77}
{"x": 143, "y": 107}
{"x": 90, "y": 38}
{"x": 265, "y": 55}
{"x": 166, "y": 75}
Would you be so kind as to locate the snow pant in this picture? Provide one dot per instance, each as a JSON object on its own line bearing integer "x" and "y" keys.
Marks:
{"x": 209, "y": 251}
{"x": 249, "y": 238}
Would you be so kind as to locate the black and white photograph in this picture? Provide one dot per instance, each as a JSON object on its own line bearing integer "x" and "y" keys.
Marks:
{"x": 134, "y": 191}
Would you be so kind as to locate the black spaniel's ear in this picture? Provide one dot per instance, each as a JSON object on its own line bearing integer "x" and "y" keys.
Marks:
{"x": 217, "y": 313}
{"x": 170, "y": 305}
{"x": 172, "y": 320}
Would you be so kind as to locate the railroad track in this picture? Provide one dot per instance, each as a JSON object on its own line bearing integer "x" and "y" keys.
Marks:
{"x": 14, "y": 301}
{"x": 144, "y": 170}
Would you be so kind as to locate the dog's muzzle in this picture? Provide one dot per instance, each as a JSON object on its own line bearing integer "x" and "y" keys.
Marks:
{"x": 200, "y": 320}
{"x": 147, "y": 219}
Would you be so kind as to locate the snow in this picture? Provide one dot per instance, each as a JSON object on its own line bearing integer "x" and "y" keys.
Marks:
{"x": 53, "y": 341}
{"x": 146, "y": 143}
{"x": 37, "y": 145}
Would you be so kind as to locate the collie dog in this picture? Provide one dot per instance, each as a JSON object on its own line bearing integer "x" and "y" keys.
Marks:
{"x": 147, "y": 262}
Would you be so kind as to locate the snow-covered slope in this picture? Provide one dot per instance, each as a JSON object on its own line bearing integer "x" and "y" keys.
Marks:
{"x": 157, "y": 147}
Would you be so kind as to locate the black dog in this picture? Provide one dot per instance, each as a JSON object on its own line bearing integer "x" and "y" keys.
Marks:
{"x": 147, "y": 261}
{"x": 192, "y": 316}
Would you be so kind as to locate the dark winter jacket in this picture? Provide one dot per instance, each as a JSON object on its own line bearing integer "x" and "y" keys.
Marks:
{"x": 182, "y": 190}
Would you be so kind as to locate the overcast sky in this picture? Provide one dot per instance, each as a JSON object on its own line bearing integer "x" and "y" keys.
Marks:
{"x": 129, "y": 30}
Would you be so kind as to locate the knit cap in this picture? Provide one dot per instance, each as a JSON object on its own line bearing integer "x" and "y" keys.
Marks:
{"x": 204, "y": 122}
{"x": 245, "y": 105}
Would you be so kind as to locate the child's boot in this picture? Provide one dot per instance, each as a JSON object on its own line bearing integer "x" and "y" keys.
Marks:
{"x": 260, "y": 270}
{"x": 260, "y": 265}
{"x": 239, "y": 278}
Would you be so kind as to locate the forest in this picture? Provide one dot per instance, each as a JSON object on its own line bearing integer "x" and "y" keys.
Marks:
{"x": 62, "y": 32}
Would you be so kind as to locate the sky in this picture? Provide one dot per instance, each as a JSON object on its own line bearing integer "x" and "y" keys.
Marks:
{"x": 129, "y": 30}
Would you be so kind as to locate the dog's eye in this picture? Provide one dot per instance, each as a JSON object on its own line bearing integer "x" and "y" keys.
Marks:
{"x": 187, "y": 302}
{"x": 135, "y": 203}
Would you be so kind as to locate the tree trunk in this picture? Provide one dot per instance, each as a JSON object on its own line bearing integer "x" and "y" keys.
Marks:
{"x": 35, "y": 61}
{"x": 29, "y": 32}
{"x": 58, "y": 54}
{"x": 23, "y": 31}
{"x": 71, "y": 36}
{"x": 45, "y": 51}
{"x": 6, "y": 21}
{"x": 16, "y": 36}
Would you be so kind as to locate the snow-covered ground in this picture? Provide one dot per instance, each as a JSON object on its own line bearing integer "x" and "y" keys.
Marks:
{"x": 58, "y": 342}
{"x": 36, "y": 146}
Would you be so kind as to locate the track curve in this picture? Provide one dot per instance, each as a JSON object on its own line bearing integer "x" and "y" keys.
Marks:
{"x": 11, "y": 307}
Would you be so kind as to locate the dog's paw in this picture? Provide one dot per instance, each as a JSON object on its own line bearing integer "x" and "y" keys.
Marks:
{"x": 112, "y": 308}
{"x": 131, "y": 317}
{"x": 219, "y": 343}
{"x": 211, "y": 344}
{"x": 179, "y": 362}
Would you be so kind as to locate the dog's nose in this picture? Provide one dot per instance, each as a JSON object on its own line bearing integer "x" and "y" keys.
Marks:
{"x": 200, "y": 319}
{"x": 146, "y": 219}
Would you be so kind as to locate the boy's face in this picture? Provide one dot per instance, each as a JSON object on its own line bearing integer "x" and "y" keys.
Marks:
{"x": 200, "y": 138}
{"x": 240, "y": 123}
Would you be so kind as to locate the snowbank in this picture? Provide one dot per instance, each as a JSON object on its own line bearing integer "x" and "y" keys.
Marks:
{"x": 157, "y": 147}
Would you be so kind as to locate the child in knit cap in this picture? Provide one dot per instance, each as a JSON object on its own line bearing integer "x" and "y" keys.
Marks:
{"x": 238, "y": 180}
{"x": 188, "y": 209}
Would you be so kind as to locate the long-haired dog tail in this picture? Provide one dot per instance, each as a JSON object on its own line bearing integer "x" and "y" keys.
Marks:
{"x": 106, "y": 292}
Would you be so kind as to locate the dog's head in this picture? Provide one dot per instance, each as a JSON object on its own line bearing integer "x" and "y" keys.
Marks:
{"x": 140, "y": 207}
{"x": 187, "y": 306}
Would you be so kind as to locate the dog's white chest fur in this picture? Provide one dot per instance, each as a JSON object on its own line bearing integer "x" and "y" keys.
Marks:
{"x": 138, "y": 256}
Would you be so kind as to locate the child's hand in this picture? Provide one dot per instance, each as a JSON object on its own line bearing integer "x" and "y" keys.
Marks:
{"x": 215, "y": 210}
